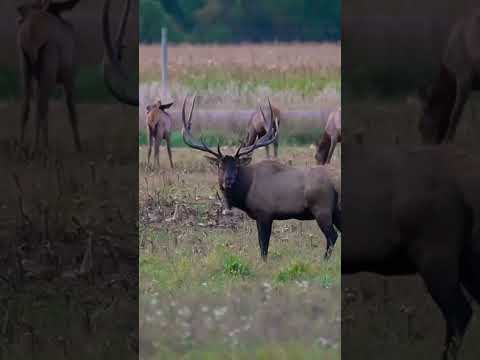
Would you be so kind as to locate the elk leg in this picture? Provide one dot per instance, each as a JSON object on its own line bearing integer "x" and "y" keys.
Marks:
{"x": 167, "y": 140}
{"x": 27, "y": 93}
{"x": 72, "y": 112}
{"x": 324, "y": 221}
{"x": 267, "y": 150}
{"x": 264, "y": 231}
{"x": 460, "y": 100}
{"x": 441, "y": 276}
{"x": 156, "y": 150}
{"x": 150, "y": 143}
{"x": 332, "y": 148}
{"x": 337, "y": 216}
{"x": 471, "y": 269}
{"x": 46, "y": 84}
{"x": 275, "y": 147}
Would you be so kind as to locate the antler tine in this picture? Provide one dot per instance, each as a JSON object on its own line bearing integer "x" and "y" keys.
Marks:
{"x": 191, "y": 110}
{"x": 187, "y": 135}
{"x": 269, "y": 137}
{"x": 111, "y": 57}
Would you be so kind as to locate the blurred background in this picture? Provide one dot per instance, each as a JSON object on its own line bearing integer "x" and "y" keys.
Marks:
{"x": 234, "y": 54}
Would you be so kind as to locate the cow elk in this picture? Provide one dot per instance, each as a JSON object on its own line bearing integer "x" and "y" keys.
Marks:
{"x": 257, "y": 128}
{"x": 159, "y": 124}
{"x": 47, "y": 51}
{"x": 268, "y": 191}
{"x": 443, "y": 101}
{"x": 332, "y": 135}
{"x": 416, "y": 210}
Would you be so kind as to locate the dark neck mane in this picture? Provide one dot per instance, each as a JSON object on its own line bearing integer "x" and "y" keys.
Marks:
{"x": 236, "y": 196}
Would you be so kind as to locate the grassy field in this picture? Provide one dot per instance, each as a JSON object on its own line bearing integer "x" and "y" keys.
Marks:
{"x": 205, "y": 293}
{"x": 55, "y": 301}
{"x": 294, "y": 76}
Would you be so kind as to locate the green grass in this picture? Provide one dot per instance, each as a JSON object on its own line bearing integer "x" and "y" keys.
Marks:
{"x": 205, "y": 292}
{"x": 234, "y": 266}
{"x": 305, "y": 81}
{"x": 294, "y": 271}
{"x": 294, "y": 137}
{"x": 279, "y": 351}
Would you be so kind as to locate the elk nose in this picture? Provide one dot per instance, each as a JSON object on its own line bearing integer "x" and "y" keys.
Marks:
{"x": 228, "y": 183}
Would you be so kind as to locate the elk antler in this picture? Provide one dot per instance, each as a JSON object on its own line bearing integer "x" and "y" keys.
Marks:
{"x": 113, "y": 57}
{"x": 187, "y": 135}
{"x": 270, "y": 136}
{"x": 59, "y": 7}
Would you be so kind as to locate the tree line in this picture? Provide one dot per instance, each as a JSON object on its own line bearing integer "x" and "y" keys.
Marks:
{"x": 222, "y": 21}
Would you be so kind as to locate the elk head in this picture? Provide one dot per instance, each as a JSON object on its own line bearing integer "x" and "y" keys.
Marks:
{"x": 112, "y": 66}
{"x": 228, "y": 165}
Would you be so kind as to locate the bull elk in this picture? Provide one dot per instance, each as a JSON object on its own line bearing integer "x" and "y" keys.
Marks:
{"x": 332, "y": 135}
{"x": 159, "y": 124}
{"x": 416, "y": 210}
{"x": 443, "y": 101}
{"x": 257, "y": 128}
{"x": 48, "y": 54}
{"x": 268, "y": 191}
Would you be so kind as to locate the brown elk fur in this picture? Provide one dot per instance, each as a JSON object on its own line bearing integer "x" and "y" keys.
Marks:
{"x": 459, "y": 74}
{"x": 159, "y": 124}
{"x": 331, "y": 136}
{"x": 47, "y": 50}
{"x": 416, "y": 210}
{"x": 257, "y": 128}
{"x": 268, "y": 191}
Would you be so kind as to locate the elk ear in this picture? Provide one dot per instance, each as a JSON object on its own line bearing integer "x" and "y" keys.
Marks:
{"x": 165, "y": 106}
{"x": 245, "y": 161}
{"x": 212, "y": 160}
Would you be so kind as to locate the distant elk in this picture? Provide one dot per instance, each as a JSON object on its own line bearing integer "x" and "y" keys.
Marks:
{"x": 416, "y": 210}
{"x": 48, "y": 54}
{"x": 443, "y": 101}
{"x": 332, "y": 135}
{"x": 159, "y": 124}
{"x": 257, "y": 128}
{"x": 268, "y": 191}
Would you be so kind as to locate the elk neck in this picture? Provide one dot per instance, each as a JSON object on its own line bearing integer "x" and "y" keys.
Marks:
{"x": 236, "y": 196}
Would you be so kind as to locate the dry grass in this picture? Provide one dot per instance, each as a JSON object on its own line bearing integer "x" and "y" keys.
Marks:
{"x": 203, "y": 285}
{"x": 52, "y": 304}
{"x": 297, "y": 76}
{"x": 279, "y": 57}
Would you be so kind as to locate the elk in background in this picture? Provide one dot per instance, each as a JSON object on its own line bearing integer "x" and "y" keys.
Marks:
{"x": 332, "y": 134}
{"x": 159, "y": 124}
{"x": 268, "y": 190}
{"x": 47, "y": 52}
{"x": 443, "y": 101}
{"x": 257, "y": 128}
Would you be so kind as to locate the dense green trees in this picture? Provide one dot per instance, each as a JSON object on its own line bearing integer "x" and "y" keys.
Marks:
{"x": 240, "y": 20}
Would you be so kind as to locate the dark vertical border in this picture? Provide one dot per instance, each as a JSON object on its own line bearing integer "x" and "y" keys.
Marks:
{"x": 68, "y": 220}
{"x": 409, "y": 248}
